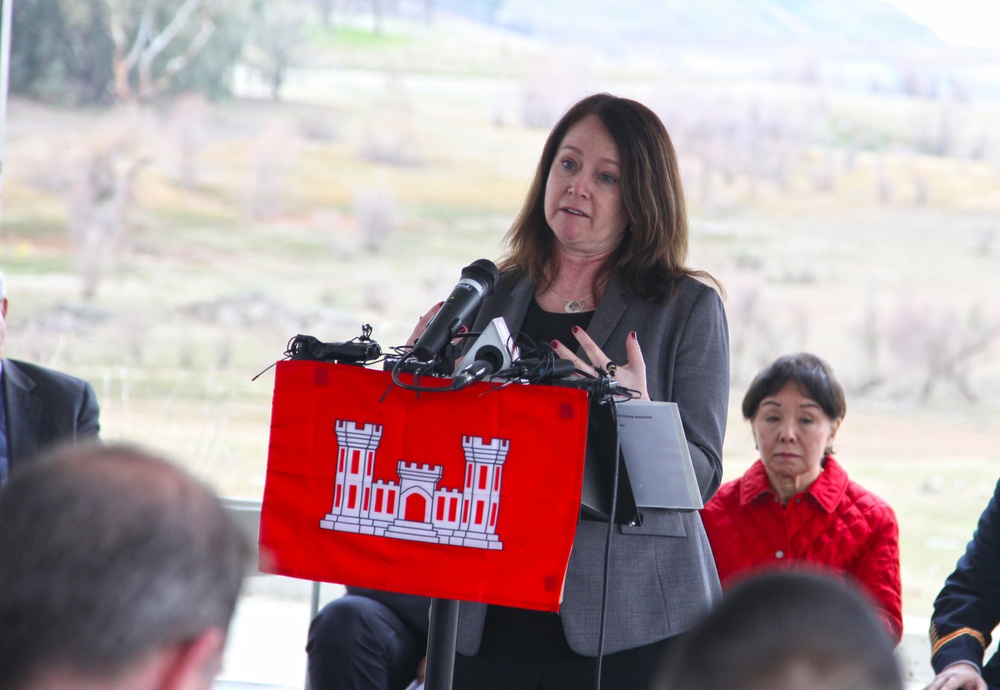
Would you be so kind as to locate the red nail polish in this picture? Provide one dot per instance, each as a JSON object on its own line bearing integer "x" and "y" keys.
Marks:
{"x": 554, "y": 344}
{"x": 633, "y": 336}
{"x": 576, "y": 329}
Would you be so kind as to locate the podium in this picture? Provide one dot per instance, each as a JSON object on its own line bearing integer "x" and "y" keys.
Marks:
{"x": 470, "y": 495}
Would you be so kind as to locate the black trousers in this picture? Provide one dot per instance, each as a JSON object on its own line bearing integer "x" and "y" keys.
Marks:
{"x": 356, "y": 643}
{"x": 527, "y": 650}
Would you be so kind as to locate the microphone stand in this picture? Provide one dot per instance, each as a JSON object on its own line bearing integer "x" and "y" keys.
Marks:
{"x": 442, "y": 638}
{"x": 442, "y": 631}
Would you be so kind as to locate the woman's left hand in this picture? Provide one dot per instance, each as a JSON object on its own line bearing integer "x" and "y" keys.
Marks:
{"x": 631, "y": 374}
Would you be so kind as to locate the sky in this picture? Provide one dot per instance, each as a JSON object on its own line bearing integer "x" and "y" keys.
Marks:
{"x": 960, "y": 22}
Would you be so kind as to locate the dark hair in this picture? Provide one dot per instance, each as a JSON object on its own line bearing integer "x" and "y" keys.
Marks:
{"x": 106, "y": 554}
{"x": 652, "y": 253}
{"x": 812, "y": 375}
{"x": 784, "y": 631}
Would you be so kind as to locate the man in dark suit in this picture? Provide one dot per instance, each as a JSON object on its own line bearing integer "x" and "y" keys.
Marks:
{"x": 40, "y": 407}
{"x": 967, "y": 610}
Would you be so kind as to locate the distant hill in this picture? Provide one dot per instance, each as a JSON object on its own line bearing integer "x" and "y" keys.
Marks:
{"x": 870, "y": 22}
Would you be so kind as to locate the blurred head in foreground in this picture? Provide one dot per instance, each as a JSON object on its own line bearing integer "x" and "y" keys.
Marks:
{"x": 117, "y": 569}
{"x": 786, "y": 631}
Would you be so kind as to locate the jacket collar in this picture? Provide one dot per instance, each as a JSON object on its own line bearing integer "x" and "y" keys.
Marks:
{"x": 826, "y": 491}
{"x": 24, "y": 413}
{"x": 609, "y": 311}
{"x": 513, "y": 298}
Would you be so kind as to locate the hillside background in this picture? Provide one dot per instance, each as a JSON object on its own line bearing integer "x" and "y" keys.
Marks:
{"x": 842, "y": 167}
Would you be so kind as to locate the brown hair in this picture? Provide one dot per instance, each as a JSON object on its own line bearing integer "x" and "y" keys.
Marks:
{"x": 652, "y": 253}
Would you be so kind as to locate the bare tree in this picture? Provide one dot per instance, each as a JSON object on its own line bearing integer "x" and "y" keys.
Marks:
{"x": 276, "y": 43}
{"x": 99, "y": 199}
{"x": 134, "y": 54}
{"x": 325, "y": 9}
{"x": 934, "y": 343}
{"x": 188, "y": 122}
{"x": 270, "y": 153}
{"x": 952, "y": 353}
{"x": 377, "y": 217}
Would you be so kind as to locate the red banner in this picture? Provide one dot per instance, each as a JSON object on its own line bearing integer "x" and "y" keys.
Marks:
{"x": 471, "y": 495}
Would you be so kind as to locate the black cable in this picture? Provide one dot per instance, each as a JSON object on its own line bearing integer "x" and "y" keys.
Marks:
{"x": 607, "y": 549}
{"x": 359, "y": 351}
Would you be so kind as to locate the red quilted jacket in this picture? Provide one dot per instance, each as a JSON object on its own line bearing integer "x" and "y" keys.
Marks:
{"x": 835, "y": 524}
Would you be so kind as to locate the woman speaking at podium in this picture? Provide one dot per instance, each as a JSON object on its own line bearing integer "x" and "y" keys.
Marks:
{"x": 595, "y": 266}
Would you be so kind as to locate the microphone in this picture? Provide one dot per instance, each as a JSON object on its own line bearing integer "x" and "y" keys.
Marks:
{"x": 478, "y": 279}
{"x": 489, "y": 359}
{"x": 546, "y": 369}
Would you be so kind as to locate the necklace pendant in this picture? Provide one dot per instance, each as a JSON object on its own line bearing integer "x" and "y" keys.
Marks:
{"x": 574, "y": 306}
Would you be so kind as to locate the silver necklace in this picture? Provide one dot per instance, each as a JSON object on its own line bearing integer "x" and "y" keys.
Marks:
{"x": 572, "y": 306}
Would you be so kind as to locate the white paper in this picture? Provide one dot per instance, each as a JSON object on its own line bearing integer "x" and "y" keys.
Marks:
{"x": 657, "y": 456}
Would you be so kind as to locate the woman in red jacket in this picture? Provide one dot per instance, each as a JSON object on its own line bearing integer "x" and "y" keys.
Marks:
{"x": 795, "y": 507}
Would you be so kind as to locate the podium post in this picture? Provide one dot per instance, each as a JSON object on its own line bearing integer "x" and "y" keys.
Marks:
{"x": 442, "y": 638}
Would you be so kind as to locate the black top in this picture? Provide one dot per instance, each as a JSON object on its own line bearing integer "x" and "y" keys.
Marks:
{"x": 546, "y": 326}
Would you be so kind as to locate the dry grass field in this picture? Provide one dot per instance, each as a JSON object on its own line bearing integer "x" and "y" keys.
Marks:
{"x": 828, "y": 216}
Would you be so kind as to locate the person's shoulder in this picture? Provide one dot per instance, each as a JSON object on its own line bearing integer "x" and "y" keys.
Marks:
{"x": 723, "y": 515}
{"x": 689, "y": 289}
{"x": 39, "y": 373}
{"x": 681, "y": 294}
{"x": 726, "y": 494}
{"x": 865, "y": 500}
{"x": 693, "y": 284}
{"x": 507, "y": 280}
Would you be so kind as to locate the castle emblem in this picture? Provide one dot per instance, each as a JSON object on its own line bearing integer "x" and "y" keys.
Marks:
{"x": 416, "y": 508}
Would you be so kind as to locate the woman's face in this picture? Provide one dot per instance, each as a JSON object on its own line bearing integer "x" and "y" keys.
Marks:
{"x": 792, "y": 431}
{"x": 583, "y": 199}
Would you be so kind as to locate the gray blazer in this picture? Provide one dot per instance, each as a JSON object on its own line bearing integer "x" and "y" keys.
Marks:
{"x": 662, "y": 574}
{"x": 44, "y": 408}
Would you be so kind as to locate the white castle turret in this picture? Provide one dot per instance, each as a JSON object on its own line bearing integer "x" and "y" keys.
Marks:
{"x": 355, "y": 464}
{"x": 481, "y": 493}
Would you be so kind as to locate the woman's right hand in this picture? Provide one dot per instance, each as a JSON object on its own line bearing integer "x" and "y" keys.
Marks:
{"x": 631, "y": 374}
{"x": 422, "y": 322}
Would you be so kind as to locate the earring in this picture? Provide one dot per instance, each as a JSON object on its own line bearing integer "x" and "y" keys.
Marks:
{"x": 828, "y": 450}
